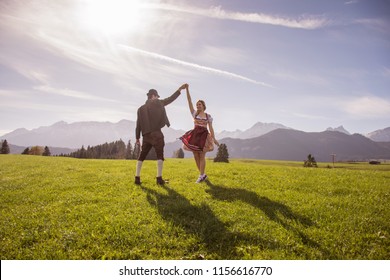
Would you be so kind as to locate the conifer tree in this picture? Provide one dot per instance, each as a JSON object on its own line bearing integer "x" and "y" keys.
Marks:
{"x": 222, "y": 154}
{"x": 83, "y": 152}
{"x": 26, "y": 151}
{"x": 120, "y": 149}
{"x": 129, "y": 150}
{"x": 4, "y": 148}
{"x": 179, "y": 153}
{"x": 46, "y": 151}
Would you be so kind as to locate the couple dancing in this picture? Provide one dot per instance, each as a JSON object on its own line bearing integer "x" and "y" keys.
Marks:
{"x": 151, "y": 117}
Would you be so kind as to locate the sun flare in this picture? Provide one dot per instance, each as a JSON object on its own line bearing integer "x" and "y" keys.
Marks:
{"x": 116, "y": 17}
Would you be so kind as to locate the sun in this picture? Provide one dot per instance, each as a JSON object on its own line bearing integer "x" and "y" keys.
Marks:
{"x": 116, "y": 17}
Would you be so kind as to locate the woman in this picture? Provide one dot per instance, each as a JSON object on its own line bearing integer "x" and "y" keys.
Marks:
{"x": 199, "y": 140}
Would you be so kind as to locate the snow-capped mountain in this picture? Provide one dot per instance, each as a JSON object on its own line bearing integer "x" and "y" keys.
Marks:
{"x": 339, "y": 129}
{"x": 258, "y": 129}
{"x": 381, "y": 135}
{"x": 75, "y": 135}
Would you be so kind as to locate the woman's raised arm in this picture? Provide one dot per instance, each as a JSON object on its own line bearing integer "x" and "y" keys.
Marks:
{"x": 190, "y": 105}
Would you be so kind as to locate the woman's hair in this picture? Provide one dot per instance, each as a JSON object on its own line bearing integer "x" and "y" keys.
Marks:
{"x": 203, "y": 103}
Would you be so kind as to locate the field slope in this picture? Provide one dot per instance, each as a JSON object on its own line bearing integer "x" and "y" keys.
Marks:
{"x": 64, "y": 208}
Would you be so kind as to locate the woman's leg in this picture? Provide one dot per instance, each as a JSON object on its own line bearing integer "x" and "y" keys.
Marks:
{"x": 202, "y": 163}
{"x": 197, "y": 160}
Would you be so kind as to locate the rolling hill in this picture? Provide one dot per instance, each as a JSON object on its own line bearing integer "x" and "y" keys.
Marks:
{"x": 288, "y": 144}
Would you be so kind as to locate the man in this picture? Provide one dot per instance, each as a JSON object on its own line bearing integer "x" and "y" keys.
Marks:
{"x": 151, "y": 118}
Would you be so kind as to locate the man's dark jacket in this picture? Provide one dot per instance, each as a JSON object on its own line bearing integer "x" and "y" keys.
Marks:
{"x": 152, "y": 115}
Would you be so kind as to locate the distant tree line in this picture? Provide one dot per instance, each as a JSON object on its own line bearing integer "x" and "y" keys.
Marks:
{"x": 113, "y": 150}
{"x": 116, "y": 150}
{"x": 119, "y": 150}
{"x": 35, "y": 150}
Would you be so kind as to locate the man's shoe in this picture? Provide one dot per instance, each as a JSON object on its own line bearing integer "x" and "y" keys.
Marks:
{"x": 137, "y": 180}
{"x": 160, "y": 181}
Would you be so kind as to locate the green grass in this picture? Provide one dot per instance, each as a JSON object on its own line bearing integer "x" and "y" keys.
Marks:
{"x": 64, "y": 208}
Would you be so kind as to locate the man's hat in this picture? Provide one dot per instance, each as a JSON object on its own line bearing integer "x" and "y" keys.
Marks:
{"x": 152, "y": 92}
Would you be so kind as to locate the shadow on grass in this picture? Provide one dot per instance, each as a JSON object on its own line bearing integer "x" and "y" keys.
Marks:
{"x": 269, "y": 207}
{"x": 199, "y": 221}
{"x": 275, "y": 211}
{"x": 215, "y": 240}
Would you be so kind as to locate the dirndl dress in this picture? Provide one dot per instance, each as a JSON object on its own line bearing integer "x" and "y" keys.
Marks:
{"x": 198, "y": 139}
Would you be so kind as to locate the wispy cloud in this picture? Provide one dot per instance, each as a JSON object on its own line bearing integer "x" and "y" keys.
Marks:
{"x": 351, "y": 2}
{"x": 368, "y": 107}
{"x": 376, "y": 24}
{"x": 310, "y": 116}
{"x": 191, "y": 65}
{"x": 71, "y": 93}
{"x": 304, "y": 22}
{"x": 24, "y": 100}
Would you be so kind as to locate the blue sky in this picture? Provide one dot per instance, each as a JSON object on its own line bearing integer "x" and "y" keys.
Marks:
{"x": 306, "y": 64}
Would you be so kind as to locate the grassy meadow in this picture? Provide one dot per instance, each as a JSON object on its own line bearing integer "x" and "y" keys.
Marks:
{"x": 65, "y": 208}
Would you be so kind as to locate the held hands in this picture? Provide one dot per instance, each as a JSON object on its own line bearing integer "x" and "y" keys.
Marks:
{"x": 184, "y": 86}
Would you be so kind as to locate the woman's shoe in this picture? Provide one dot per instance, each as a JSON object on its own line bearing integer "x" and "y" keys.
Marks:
{"x": 201, "y": 178}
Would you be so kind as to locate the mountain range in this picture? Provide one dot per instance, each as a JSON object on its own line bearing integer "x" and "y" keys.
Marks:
{"x": 262, "y": 140}
{"x": 282, "y": 144}
{"x": 75, "y": 135}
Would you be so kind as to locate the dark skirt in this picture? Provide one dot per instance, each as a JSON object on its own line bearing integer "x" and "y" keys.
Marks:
{"x": 197, "y": 140}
